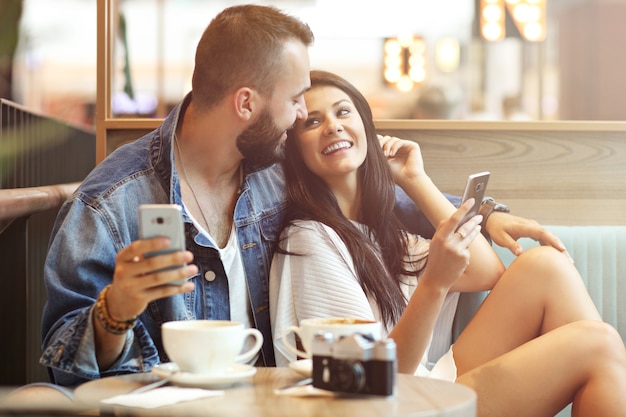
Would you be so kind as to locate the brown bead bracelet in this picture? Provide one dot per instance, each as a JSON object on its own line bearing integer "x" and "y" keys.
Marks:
{"x": 106, "y": 321}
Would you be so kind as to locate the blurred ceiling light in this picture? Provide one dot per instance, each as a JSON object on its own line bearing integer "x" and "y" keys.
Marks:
{"x": 404, "y": 62}
{"x": 529, "y": 17}
{"x": 447, "y": 54}
{"x": 492, "y": 16}
{"x": 405, "y": 84}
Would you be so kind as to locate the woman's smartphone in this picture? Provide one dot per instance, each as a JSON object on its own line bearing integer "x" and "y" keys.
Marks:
{"x": 475, "y": 188}
{"x": 163, "y": 220}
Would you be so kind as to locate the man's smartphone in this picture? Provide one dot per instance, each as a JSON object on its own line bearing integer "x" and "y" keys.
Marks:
{"x": 163, "y": 220}
{"x": 475, "y": 188}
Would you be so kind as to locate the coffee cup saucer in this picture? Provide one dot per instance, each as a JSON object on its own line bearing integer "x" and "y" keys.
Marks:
{"x": 303, "y": 366}
{"x": 234, "y": 373}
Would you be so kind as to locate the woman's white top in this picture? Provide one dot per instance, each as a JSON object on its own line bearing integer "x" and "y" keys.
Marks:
{"x": 320, "y": 281}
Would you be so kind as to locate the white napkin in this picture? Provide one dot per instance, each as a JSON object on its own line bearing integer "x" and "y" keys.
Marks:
{"x": 304, "y": 391}
{"x": 159, "y": 397}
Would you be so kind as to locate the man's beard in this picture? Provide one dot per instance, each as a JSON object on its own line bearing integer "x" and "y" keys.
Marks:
{"x": 260, "y": 142}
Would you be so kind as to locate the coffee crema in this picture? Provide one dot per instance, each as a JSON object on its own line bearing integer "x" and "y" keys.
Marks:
{"x": 344, "y": 321}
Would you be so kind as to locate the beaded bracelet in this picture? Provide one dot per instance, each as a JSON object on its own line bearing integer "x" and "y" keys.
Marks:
{"x": 106, "y": 321}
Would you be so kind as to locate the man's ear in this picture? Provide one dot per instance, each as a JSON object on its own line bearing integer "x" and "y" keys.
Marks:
{"x": 246, "y": 102}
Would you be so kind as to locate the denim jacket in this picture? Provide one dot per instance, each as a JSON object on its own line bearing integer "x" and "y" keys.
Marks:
{"x": 101, "y": 219}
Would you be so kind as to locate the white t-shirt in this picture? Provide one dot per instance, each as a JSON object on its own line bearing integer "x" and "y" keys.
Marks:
{"x": 323, "y": 283}
{"x": 230, "y": 255}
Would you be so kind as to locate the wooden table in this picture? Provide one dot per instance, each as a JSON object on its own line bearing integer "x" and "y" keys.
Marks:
{"x": 416, "y": 396}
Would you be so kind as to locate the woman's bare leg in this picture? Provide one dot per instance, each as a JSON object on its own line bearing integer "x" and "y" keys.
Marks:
{"x": 538, "y": 343}
{"x": 539, "y": 292}
{"x": 584, "y": 362}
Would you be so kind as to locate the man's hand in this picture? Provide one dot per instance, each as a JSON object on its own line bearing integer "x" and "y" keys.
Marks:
{"x": 135, "y": 282}
{"x": 505, "y": 229}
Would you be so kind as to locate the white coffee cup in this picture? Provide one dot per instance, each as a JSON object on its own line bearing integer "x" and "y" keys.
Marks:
{"x": 337, "y": 326}
{"x": 208, "y": 346}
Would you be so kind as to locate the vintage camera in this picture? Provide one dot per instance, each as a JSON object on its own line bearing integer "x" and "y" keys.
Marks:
{"x": 355, "y": 364}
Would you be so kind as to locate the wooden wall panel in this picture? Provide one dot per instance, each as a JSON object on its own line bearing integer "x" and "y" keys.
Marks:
{"x": 557, "y": 177}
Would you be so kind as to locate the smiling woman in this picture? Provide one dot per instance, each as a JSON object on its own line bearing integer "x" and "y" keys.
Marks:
{"x": 343, "y": 253}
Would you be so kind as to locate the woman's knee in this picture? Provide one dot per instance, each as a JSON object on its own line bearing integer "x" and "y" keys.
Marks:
{"x": 544, "y": 262}
{"x": 542, "y": 255}
{"x": 602, "y": 341}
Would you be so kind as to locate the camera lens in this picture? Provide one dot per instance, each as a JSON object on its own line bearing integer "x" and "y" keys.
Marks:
{"x": 348, "y": 376}
{"x": 160, "y": 220}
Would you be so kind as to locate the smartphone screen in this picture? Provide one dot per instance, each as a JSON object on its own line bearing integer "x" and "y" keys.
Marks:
{"x": 163, "y": 220}
{"x": 475, "y": 188}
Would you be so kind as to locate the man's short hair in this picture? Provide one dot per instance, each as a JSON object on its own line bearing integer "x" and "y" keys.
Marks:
{"x": 243, "y": 46}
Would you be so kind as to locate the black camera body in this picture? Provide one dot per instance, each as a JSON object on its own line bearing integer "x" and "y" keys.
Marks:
{"x": 355, "y": 364}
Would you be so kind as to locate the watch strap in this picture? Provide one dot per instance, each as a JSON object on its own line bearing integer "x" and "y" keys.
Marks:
{"x": 487, "y": 207}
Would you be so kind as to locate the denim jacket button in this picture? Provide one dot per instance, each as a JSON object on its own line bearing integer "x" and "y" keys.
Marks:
{"x": 209, "y": 275}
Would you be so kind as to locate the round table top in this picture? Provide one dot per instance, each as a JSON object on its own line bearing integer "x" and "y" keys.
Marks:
{"x": 256, "y": 396}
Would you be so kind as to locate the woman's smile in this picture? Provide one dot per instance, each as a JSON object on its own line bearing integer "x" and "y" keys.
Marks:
{"x": 337, "y": 146}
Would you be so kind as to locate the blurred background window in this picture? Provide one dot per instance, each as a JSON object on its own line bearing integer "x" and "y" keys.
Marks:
{"x": 535, "y": 60}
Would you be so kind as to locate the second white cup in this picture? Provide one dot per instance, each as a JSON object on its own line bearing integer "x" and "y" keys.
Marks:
{"x": 337, "y": 326}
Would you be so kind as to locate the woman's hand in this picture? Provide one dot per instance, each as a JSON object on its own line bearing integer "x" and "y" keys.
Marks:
{"x": 404, "y": 157}
{"x": 449, "y": 254}
{"x": 505, "y": 229}
{"x": 135, "y": 284}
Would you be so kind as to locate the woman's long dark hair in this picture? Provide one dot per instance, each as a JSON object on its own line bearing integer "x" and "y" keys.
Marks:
{"x": 309, "y": 198}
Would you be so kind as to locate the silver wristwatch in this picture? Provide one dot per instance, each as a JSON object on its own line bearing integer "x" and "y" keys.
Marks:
{"x": 488, "y": 206}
